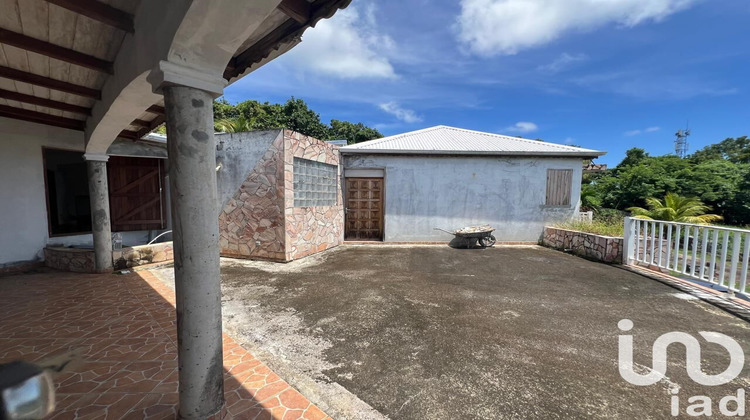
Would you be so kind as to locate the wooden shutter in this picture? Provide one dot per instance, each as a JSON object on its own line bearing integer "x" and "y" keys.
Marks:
{"x": 136, "y": 199}
{"x": 559, "y": 186}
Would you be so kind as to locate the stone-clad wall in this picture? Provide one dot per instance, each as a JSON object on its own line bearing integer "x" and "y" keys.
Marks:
{"x": 251, "y": 224}
{"x": 260, "y": 220}
{"x": 601, "y": 248}
{"x": 310, "y": 229}
{"x": 70, "y": 259}
{"x": 142, "y": 254}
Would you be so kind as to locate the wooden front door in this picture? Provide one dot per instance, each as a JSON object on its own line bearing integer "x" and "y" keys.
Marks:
{"x": 364, "y": 209}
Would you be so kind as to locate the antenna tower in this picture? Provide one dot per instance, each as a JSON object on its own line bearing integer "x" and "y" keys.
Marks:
{"x": 681, "y": 143}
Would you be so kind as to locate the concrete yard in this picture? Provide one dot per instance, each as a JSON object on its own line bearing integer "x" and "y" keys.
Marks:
{"x": 432, "y": 332}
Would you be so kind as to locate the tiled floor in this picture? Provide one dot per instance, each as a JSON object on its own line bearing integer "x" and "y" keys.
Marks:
{"x": 124, "y": 328}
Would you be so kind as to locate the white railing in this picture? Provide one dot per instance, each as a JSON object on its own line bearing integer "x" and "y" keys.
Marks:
{"x": 712, "y": 254}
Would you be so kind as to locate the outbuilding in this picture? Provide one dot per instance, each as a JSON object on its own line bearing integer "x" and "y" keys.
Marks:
{"x": 400, "y": 188}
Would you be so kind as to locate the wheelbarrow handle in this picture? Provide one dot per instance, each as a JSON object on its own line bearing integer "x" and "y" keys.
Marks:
{"x": 446, "y": 231}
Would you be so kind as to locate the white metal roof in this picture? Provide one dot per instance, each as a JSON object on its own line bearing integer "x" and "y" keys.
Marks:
{"x": 444, "y": 140}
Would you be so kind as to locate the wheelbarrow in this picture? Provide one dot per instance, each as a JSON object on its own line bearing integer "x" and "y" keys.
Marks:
{"x": 474, "y": 235}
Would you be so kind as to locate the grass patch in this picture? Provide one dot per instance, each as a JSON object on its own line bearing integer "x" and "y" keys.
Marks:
{"x": 604, "y": 223}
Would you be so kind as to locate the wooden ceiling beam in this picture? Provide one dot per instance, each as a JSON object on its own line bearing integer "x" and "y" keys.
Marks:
{"x": 35, "y": 100}
{"x": 55, "y": 51}
{"x": 156, "y": 109}
{"x": 261, "y": 49}
{"x": 286, "y": 32}
{"x": 38, "y": 80}
{"x": 299, "y": 10}
{"x": 159, "y": 120}
{"x": 99, "y": 11}
{"x": 41, "y": 118}
{"x": 127, "y": 134}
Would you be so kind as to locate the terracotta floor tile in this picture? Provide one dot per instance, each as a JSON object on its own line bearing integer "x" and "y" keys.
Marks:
{"x": 124, "y": 328}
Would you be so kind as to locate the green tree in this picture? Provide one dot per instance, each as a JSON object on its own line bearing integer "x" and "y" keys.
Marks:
{"x": 590, "y": 199}
{"x": 675, "y": 208}
{"x": 223, "y": 110}
{"x": 633, "y": 156}
{"x": 298, "y": 117}
{"x": 735, "y": 150}
{"x": 737, "y": 210}
{"x": 353, "y": 133}
{"x": 233, "y": 125}
{"x": 294, "y": 114}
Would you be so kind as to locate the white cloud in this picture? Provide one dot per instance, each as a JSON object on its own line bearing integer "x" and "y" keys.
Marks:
{"x": 639, "y": 132}
{"x": 563, "y": 62}
{"x": 350, "y": 45}
{"x": 403, "y": 114}
{"x": 522, "y": 127}
{"x": 490, "y": 27}
{"x": 642, "y": 85}
{"x": 569, "y": 140}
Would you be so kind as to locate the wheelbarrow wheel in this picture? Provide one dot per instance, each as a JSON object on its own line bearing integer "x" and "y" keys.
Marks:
{"x": 487, "y": 241}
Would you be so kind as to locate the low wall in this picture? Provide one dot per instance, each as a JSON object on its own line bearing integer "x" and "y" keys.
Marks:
{"x": 588, "y": 245}
{"x": 76, "y": 260}
{"x": 79, "y": 260}
{"x": 142, "y": 254}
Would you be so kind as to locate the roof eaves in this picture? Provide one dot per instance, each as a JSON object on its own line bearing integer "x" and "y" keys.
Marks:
{"x": 586, "y": 153}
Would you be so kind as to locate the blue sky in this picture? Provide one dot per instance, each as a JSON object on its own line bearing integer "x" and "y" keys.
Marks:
{"x": 604, "y": 75}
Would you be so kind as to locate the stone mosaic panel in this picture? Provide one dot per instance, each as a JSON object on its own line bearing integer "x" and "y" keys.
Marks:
{"x": 70, "y": 259}
{"x": 261, "y": 221}
{"x": 315, "y": 228}
{"x": 600, "y": 248}
{"x": 251, "y": 224}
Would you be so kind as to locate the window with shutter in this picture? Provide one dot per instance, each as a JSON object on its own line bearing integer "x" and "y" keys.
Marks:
{"x": 136, "y": 200}
{"x": 559, "y": 186}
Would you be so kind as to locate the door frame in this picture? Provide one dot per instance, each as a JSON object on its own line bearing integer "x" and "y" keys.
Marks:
{"x": 373, "y": 172}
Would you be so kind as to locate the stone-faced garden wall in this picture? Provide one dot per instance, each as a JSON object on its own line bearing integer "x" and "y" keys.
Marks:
{"x": 251, "y": 223}
{"x": 260, "y": 220}
{"x": 310, "y": 229}
{"x": 133, "y": 256}
{"x": 70, "y": 259}
{"x": 600, "y": 248}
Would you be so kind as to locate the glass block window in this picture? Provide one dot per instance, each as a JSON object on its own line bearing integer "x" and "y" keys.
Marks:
{"x": 315, "y": 183}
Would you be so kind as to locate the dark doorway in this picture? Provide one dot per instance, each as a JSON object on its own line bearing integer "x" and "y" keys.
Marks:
{"x": 68, "y": 207}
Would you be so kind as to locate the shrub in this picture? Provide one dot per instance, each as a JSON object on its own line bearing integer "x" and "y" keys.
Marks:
{"x": 607, "y": 222}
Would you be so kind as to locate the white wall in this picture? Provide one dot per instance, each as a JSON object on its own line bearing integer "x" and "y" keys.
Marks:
{"x": 423, "y": 192}
{"x": 23, "y": 207}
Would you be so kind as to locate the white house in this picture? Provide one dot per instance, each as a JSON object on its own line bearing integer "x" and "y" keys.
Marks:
{"x": 400, "y": 188}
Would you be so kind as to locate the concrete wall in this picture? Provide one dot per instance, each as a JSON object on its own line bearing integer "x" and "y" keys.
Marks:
{"x": 238, "y": 154}
{"x": 23, "y": 207}
{"x": 450, "y": 192}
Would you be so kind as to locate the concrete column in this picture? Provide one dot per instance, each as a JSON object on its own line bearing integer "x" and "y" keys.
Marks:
{"x": 100, "y": 224}
{"x": 192, "y": 180}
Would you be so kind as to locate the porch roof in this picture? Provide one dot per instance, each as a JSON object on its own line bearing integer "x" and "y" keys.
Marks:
{"x": 71, "y": 63}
